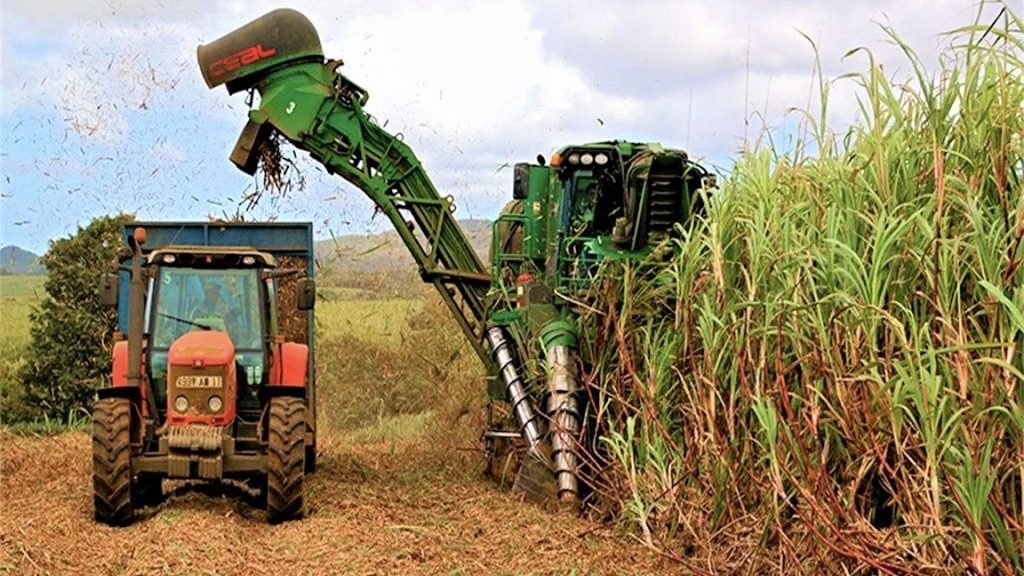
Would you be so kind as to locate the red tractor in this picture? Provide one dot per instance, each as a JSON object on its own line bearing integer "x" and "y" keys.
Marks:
{"x": 205, "y": 385}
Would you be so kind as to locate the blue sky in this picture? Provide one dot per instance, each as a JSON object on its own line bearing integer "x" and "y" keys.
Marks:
{"x": 102, "y": 107}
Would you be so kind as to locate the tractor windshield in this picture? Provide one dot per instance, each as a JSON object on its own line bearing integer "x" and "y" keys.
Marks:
{"x": 203, "y": 299}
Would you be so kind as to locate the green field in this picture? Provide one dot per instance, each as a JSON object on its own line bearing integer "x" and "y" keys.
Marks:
{"x": 353, "y": 312}
{"x": 375, "y": 360}
{"x": 17, "y": 295}
{"x": 340, "y": 311}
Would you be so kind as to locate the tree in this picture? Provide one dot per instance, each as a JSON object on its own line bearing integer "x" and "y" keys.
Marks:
{"x": 69, "y": 353}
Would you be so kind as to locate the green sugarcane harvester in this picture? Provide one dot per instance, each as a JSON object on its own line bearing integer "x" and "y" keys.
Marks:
{"x": 590, "y": 202}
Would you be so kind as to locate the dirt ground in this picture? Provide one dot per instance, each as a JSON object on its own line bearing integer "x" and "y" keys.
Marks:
{"x": 375, "y": 508}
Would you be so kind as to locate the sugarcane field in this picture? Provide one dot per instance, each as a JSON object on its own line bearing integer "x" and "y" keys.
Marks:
{"x": 588, "y": 288}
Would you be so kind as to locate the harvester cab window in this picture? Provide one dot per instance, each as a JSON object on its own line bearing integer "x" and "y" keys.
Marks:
{"x": 594, "y": 202}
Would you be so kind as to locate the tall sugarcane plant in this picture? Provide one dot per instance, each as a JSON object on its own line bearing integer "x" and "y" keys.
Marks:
{"x": 829, "y": 376}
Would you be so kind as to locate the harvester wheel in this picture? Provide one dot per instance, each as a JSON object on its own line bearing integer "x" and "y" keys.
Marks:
{"x": 111, "y": 461}
{"x": 503, "y": 451}
{"x": 502, "y": 461}
{"x": 286, "y": 452}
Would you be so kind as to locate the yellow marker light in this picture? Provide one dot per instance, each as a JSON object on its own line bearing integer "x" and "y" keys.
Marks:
{"x": 556, "y": 160}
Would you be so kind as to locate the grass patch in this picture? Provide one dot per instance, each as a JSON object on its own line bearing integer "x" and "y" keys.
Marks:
{"x": 348, "y": 312}
{"x": 400, "y": 428}
{"x": 17, "y": 296}
{"x": 76, "y": 422}
{"x": 411, "y": 358}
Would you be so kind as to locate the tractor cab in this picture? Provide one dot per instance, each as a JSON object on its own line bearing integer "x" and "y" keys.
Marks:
{"x": 211, "y": 314}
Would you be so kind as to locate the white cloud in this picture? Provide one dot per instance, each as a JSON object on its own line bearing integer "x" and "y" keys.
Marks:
{"x": 472, "y": 85}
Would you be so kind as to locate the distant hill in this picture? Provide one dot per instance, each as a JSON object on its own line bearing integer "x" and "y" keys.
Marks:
{"x": 385, "y": 252}
{"x": 15, "y": 260}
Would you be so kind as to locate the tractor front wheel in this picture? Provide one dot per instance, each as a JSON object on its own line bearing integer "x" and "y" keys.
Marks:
{"x": 148, "y": 489}
{"x": 286, "y": 453}
{"x": 111, "y": 461}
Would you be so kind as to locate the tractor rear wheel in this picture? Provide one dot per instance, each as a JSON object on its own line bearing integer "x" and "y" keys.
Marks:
{"x": 286, "y": 453}
{"x": 111, "y": 461}
{"x": 311, "y": 458}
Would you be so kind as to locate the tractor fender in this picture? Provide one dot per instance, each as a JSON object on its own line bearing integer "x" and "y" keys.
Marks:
{"x": 132, "y": 393}
{"x": 119, "y": 371}
{"x": 119, "y": 379}
{"x": 289, "y": 365}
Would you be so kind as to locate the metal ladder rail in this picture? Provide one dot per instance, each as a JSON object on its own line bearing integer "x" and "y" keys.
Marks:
{"x": 414, "y": 192}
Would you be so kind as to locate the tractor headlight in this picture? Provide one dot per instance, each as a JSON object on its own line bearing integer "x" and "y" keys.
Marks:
{"x": 601, "y": 159}
{"x": 215, "y": 404}
{"x": 587, "y": 159}
{"x": 574, "y": 159}
{"x": 180, "y": 404}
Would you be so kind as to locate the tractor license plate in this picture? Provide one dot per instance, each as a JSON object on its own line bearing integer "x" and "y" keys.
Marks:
{"x": 200, "y": 381}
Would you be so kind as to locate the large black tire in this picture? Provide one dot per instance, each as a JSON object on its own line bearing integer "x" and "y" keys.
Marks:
{"x": 286, "y": 453}
{"x": 311, "y": 448}
{"x": 311, "y": 457}
{"x": 148, "y": 490}
{"x": 111, "y": 461}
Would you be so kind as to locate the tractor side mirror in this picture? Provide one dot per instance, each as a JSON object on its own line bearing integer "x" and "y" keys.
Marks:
{"x": 521, "y": 181}
{"x": 305, "y": 294}
{"x": 108, "y": 290}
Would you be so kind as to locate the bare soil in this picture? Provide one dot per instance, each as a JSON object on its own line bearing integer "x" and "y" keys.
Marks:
{"x": 379, "y": 508}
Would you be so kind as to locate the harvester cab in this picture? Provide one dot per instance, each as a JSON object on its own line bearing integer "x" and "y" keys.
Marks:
{"x": 205, "y": 385}
{"x": 590, "y": 202}
{"x": 605, "y": 199}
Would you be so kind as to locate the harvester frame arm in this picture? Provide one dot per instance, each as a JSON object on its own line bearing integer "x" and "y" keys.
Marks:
{"x": 319, "y": 110}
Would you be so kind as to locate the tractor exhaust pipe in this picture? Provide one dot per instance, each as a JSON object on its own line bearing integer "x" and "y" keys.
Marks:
{"x": 563, "y": 409}
{"x": 136, "y": 308}
{"x": 526, "y": 416}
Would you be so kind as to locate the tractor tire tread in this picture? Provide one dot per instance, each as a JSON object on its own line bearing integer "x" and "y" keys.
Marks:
{"x": 111, "y": 461}
{"x": 286, "y": 453}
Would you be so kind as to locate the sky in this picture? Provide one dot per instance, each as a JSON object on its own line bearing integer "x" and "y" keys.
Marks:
{"x": 103, "y": 109}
